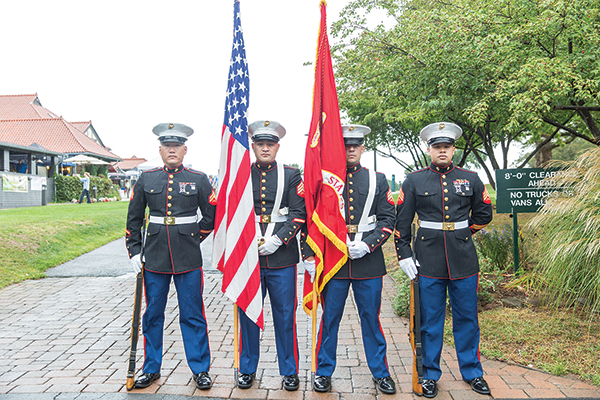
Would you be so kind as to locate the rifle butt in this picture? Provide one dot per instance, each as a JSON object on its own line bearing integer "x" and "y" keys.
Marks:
{"x": 137, "y": 309}
{"x": 130, "y": 383}
{"x": 417, "y": 384}
{"x": 135, "y": 330}
{"x": 415, "y": 342}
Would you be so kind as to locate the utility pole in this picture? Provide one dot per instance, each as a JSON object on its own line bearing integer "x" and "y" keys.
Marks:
{"x": 375, "y": 159}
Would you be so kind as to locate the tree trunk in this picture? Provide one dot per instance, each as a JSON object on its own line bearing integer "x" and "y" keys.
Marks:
{"x": 544, "y": 155}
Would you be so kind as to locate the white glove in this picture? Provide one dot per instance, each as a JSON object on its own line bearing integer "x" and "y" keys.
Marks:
{"x": 357, "y": 249}
{"x": 136, "y": 264}
{"x": 310, "y": 267}
{"x": 409, "y": 267}
{"x": 270, "y": 246}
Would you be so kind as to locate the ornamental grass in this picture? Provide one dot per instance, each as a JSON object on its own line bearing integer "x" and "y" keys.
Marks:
{"x": 568, "y": 226}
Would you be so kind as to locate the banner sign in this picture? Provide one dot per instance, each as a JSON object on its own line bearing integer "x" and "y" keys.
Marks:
{"x": 520, "y": 190}
{"x": 14, "y": 183}
{"x": 38, "y": 182}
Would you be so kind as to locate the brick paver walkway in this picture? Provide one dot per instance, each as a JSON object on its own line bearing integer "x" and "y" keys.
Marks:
{"x": 71, "y": 335}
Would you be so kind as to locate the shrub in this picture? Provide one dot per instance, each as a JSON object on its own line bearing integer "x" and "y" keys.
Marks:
{"x": 496, "y": 246}
{"x": 70, "y": 187}
{"x": 401, "y": 302}
{"x": 488, "y": 284}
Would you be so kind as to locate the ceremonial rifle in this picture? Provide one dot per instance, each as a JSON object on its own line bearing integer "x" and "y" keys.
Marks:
{"x": 137, "y": 309}
{"x": 415, "y": 325}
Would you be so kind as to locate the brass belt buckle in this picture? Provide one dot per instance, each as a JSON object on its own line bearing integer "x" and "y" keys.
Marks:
{"x": 352, "y": 228}
{"x": 169, "y": 221}
{"x": 448, "y": 226}
{"x": 265, "y": 219}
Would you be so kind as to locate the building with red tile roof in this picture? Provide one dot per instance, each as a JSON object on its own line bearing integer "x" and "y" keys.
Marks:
{"x": 127, "y": 164}
{"x": 88, "y": 129}
{"x": 124, "y": 173}
{"x": 52, "y": 134}
{"x": 24, "y": 121}
{"x": 34, "y": 141}
{"x": 23, "y": 106}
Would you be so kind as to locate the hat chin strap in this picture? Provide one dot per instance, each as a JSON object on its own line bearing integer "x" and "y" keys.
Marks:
{"x": 267, "y": 137}
{"x": 439, "y": 140}
{"x": 442, "y": 166}
{"x": 172, "y": 139}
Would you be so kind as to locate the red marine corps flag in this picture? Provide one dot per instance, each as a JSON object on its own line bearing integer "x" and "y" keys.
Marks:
{"x": 235, "y": 250}
{"x": 324, "y": 174}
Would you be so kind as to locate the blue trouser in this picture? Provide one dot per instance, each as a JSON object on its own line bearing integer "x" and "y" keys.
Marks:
{"x": 465, "y": 325}
{"x": 367, "y": 294}
{"x": 192, "y": 321}
{"x": 85, "y": 193}
{"x": 281, "y": 285}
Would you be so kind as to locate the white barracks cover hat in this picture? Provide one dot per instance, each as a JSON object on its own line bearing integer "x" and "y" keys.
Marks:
{"x": 355, "y": 134}
{"x": 266, "y": 130}
{"x": 172, "y": 133}
{"x": 440, "y": 132}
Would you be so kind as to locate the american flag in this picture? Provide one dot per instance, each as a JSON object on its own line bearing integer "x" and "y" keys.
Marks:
{"x": 235, "y": 250}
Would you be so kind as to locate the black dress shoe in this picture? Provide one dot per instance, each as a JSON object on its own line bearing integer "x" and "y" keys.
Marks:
{"x": 203, "y": 381}
{"x": 291, "y": 382}
{"x": 480, "y": 386}
{"x": 430, "y": 389}
{"x": 244, "y": 381}
{"x": 386, "y": 384}
{"x": 145, "y": 380}
{"x": 322, "y": 384}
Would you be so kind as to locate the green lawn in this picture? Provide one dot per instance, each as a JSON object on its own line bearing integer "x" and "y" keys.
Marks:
{"x": 33, "y": 239}
{"x": 492, "y": 193}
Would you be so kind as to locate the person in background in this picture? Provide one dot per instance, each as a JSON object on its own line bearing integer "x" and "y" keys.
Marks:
{"x": 22, "y": 167}
{"x": 86, "y": 187}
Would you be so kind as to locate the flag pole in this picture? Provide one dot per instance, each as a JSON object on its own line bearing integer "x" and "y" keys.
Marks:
{"x": 236, "y": 355}
{"x": 313, "y": 356}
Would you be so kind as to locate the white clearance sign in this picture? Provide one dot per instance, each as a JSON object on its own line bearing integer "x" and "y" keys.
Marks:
{"x": 521, "y": 190}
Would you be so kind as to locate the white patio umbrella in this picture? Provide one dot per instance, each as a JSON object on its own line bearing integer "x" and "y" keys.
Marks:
{"x": 83, "y": 159}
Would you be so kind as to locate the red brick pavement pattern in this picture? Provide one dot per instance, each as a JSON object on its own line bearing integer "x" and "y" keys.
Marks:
{"x": 71, "y": 335}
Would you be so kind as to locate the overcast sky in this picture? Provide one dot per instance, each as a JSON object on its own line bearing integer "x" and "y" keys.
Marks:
{"x": 128, "y": 65}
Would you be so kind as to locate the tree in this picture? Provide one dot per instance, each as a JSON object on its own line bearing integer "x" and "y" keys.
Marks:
{"x": 568, "y": 150}
{"x": 506, "y": 71}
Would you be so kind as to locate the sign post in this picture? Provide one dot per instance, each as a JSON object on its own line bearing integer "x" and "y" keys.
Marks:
{"x": 521, "y": 190}
{"x": 515, "y": 242}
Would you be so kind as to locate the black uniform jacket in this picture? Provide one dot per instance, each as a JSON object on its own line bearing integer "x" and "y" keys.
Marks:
{"x": 372, "y": 265}
{"x": 264, "y": 185}
{"x": 177, "y": 192}
{"x": 438, "y": 194}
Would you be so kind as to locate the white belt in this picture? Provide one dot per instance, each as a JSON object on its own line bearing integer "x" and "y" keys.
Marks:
{"x": 279, "y": 216}
{"x": 360, "y": 228}
{"x": 445, "y": 226}
{"x": 173, "y": 220}
{"x": 372, "y": 223}
{"x": 267, "y": 219}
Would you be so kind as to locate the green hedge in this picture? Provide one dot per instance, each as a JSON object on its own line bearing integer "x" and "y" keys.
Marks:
{"x": 70, "y": 187}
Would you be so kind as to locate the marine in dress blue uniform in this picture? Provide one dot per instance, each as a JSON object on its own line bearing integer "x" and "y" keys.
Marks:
{"x": 173, "y": 195}
{"x": 280, "y": 214}
{"x": 452, "y": 204}
{"x": 370, "y": 215}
